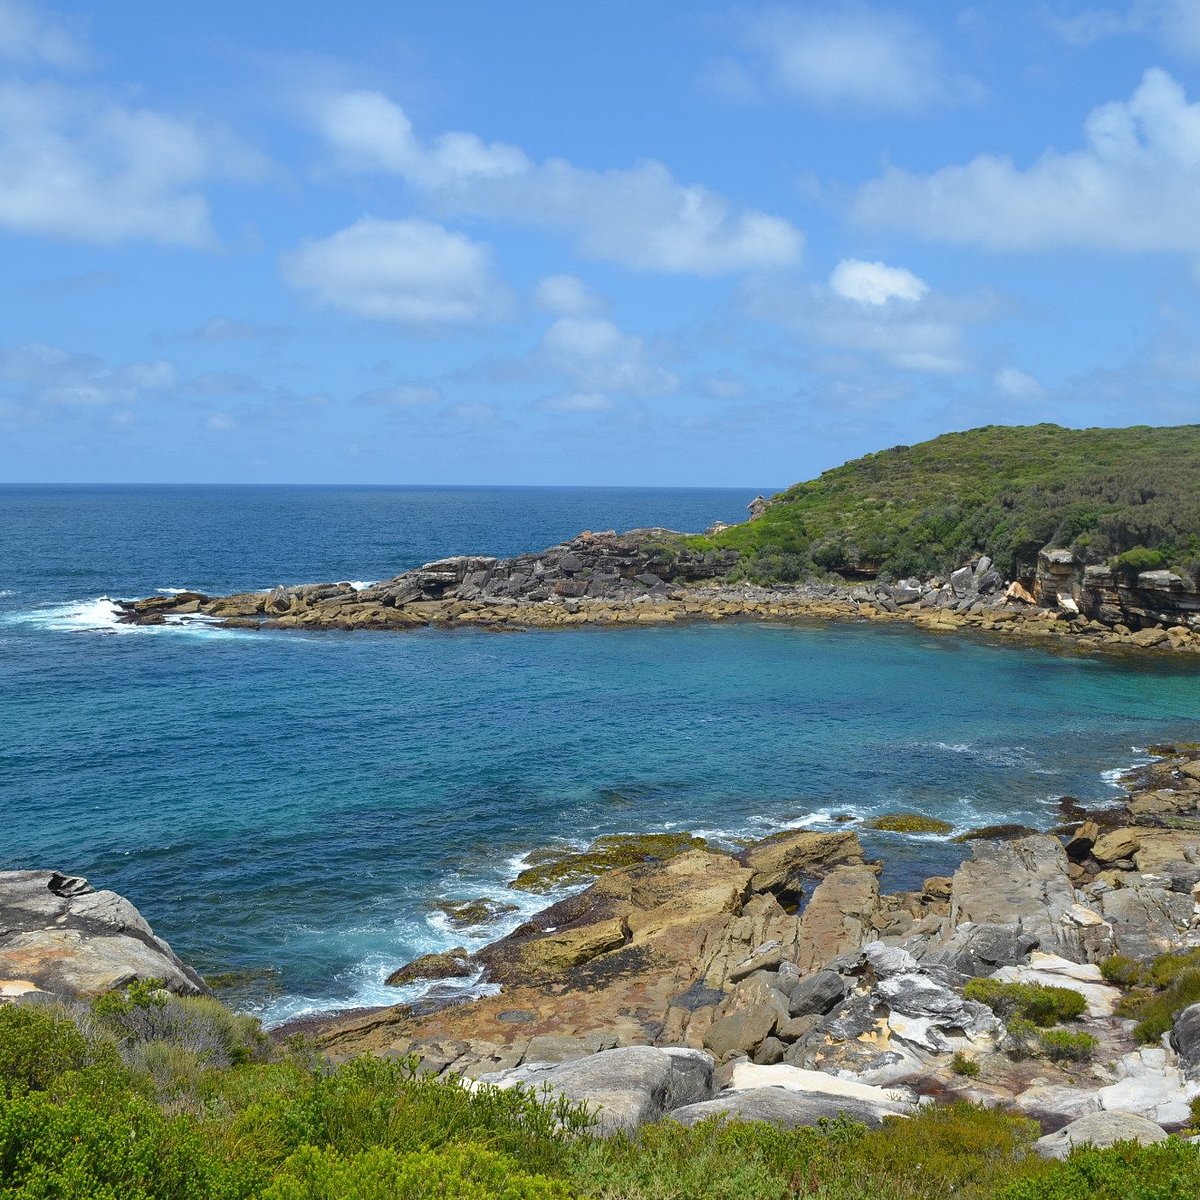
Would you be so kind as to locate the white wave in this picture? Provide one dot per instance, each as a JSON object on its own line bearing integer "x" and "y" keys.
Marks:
{"x": 82, "y": 616}
{"x": 359, "y": 584}
{"x": 173, "y": 591}
{"x": 5, "y": 592}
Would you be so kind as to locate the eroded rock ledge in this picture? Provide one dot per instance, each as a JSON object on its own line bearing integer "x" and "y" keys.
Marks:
{"x": 651, "y": 576}
{"x": 787, "y": 958}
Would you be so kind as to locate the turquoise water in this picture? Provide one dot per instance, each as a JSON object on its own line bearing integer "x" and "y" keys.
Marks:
{"x": 293, "y": 802}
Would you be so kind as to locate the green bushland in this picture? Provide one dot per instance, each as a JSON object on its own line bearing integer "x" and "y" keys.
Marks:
{"x": 1034, "y": 1002}
{"x": 1061, "y": 1045}
{"x": 83, "y": 1118}
{"x": 909, "y": 823}
{"x": 1158, "y": 991}
{"x": 550, "y": 869}
{"x": 960, "y": 1064}
{"x": 1006, "y": 491}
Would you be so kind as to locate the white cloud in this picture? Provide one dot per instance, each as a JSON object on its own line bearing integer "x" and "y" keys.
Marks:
{"x": 1017, "y": 384}
{"x": 1133, "y": 187}
{"x": 637, "y": 216}
{"x": 567, "y": 296}
{"x": 29, "y": 36}
{"x": 925, "y": 334}
{"x": 598, "y": 358}
{"x": 413, "y": 272}
{"x": 577, "y": 402}
{"x": 849, "y": 56}
{"x": 37, "y": 378}
{"x": 875, "y": 282}
{"x": 220, "y": 422}
{"x": 402, "y": 395}
{"x": 76, "y": 165}
{"x": 1175, "y": 23}
{"x": 228, "y": 329}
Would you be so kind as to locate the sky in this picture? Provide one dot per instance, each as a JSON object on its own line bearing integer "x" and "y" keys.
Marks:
{"x": 679, "y": 244}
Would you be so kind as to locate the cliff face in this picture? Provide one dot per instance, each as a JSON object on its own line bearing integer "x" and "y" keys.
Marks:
{"x": 1147, "y": 600}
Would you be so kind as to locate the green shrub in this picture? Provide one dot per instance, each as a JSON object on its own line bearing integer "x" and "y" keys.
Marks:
{"x": 1156, "y": 1013}
{"x": 454, "y": 1173}
{"x": 39, "y": 1045}
{"x": 1021, "y": 1038}
{"x": 1167, "y": 1170}
{"x": 1167, "y": 968}
{"x": 1063, "y": 1046}
{"x": 1133, "y": 562}
{"x": 197, "y": 1025}
{"x": 960, "y": 1064}
{"x": 77, "y": 1149}
{"x": 1032, "y": 1001}
{"x": 1125, "y": 972}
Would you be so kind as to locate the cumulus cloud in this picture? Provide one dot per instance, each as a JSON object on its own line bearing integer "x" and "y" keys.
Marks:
{"x": 849, "y": 56}
{"x": 1017, "y": 384}
{"x": 922, "y": 334}
{"x": 597, "y": 357}
{"x": 413, "y": 272}
{"x": 1132, "y": 187}
{"x": 567, "y": 296}
{"x": 637, "y": 216}
{"x": 875, "y": 282}
{"x": 28, "y": 36}
{"x": 76, "y": 165}
{"x": 38, "y": 379}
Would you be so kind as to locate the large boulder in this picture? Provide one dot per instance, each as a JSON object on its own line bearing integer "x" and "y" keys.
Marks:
{"x": 1146, "y": 921}
{"x": 1099, "y": 1129}
{"x": 791, "y": 1097}
{"x": 623, "y": 1088}
{"x": 781, "y": 862}
{"x": 1185, "y": 1038}
{"x": 1025, "y": 883}
{"x": 60, "y": 935}
{"x": 979, "y": 949}
{"x": 839, "y": 917}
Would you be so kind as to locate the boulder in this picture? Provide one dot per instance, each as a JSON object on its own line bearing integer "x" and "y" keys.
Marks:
{"x": 1025, "y": 883}
{"x": 783, "y": 1107}
{"x": 1185, "y": 1038}
{"x": 979, "y": 949}
{"x": 817, "y": 993}
{"x": 59, "y": 935}
{"x": 450, "y": 964}
{"x": 624, "y": 1088}
{"x": 1099, "y": 1129}
{"x": 741, "y": 1031}
{"x": 1146, "y": 920}
{"x": 839, "y": 917}
{"x": 1117, "y": 843}
{"x": 779, "y": 863}
{"x": 1150, "y": 1084}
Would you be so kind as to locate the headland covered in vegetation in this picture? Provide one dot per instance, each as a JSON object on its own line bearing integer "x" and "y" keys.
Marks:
{"x": 1090, "y": 536}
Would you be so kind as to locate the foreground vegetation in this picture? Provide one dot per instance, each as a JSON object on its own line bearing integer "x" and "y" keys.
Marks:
{"x": 1126, "y": 496}
{"x": 148, "y": 1096}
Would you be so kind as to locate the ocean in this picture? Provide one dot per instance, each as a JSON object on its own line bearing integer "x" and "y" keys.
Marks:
{"x": 289, "y": 806}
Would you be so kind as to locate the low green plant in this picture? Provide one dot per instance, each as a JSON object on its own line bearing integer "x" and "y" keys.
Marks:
{"x": 1035, "y": 1002}
{"x": 1156, "y": 1012}
{"x": 960, "y": 1064}
{"x": 1138, "y": 559}
{"x": 455, "y": 1173}
{"x": 1168, "y": 1170}
{"x": 1061, "y": 1045}
{"x": 1021, "y": 1037}
{"x": 40, "y": 1045}
{"x": 1123, "y": 971}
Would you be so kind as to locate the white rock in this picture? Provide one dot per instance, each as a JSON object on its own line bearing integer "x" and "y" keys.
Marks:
{"x": 1150, "y": 1085}
{"x": 1052, "y": 971}
{"x": 797, "y": 1079}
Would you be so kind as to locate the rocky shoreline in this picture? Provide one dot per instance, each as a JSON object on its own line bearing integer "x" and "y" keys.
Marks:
{"x": 778, "y": 981}
{"x": 652, "y": 577}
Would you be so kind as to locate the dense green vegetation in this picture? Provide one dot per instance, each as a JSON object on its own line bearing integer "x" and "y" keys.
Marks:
{"x": 148, "y": 1097}
{"x": 1002, "y": 490}
{"x": 1159, "y": 991}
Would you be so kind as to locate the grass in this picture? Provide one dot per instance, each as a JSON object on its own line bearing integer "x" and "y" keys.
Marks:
{"x": 1131, "y": 496}
{"x": 84, "y": 1118}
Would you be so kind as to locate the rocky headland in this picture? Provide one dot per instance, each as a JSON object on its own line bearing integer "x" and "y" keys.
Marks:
{"x": 654, "y": 577}
{"x": 1055, "y": 974}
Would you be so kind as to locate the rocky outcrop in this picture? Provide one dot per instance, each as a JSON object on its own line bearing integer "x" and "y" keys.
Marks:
{"x": 60, "y": 935}
{"x": 1100, "y": 1130}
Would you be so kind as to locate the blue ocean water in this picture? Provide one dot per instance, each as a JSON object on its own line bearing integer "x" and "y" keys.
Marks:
{"x": 293, "y": 803}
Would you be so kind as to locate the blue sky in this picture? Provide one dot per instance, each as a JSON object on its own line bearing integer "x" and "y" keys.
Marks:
{"x": 620, "y": 243}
